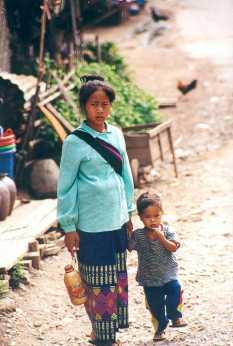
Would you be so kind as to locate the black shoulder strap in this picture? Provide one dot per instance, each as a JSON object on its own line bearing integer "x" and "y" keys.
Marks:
{"x": 105, "y": 149}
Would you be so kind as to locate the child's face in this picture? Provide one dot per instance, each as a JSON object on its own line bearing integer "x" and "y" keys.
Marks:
{"x": 98, "y": 109}
{"x": 152, "y": 216}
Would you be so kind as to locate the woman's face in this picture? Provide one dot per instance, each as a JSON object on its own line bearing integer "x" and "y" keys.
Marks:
{"x": 97, "y": 109}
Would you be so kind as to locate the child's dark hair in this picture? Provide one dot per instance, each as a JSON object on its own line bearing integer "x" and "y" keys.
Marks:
{"x": 146, "y": 200}
{"x": 92, "y": 83}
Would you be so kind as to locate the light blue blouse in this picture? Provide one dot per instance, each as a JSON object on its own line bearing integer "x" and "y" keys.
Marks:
{"x": 92, "y": 197}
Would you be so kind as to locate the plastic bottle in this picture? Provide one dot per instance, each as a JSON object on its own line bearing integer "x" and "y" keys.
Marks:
{"x": 74, "y": 285}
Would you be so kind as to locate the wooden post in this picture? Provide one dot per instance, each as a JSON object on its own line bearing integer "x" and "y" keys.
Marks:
{"x": 170, "y": 140}
{"x": 35, "y": 258}
{"x": 98, "y": 49}
{"x": 160, "y": 147}
{"x": 75, "y": 30}
{"x": 32, "y": 115}
{"x": 33, "y": 246}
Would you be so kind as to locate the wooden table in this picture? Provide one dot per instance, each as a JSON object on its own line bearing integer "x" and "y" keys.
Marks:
{"x": 146, "y": 143}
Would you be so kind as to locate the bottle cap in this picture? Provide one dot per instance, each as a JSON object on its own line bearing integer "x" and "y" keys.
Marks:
{"x": 69, "y": 268}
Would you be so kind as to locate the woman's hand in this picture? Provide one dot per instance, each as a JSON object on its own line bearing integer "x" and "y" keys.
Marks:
{"x": 129, "y": 227}
{"x": 72, "y": 240}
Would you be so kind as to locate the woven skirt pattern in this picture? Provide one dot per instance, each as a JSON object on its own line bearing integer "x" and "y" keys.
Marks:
{"x": 107, "y": 292}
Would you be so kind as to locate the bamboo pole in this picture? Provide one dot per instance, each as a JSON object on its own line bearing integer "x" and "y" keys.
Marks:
{"x": 35, "y": 98}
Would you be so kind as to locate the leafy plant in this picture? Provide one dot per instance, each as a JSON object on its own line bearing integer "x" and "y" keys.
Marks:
{"x": 3, "y": 289}
{"x": 109, "y": 55}
{"x": 132, "y": 106}
{"x": 17, "y": 275}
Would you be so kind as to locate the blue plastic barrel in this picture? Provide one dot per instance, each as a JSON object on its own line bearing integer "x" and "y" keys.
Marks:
{"x": 7, "y": 162}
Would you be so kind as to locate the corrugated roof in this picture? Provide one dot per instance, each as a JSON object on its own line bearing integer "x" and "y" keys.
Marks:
{"x": 27, "y": 84}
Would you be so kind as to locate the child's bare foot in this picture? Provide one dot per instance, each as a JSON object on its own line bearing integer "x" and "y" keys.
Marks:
{"x": 178, "y": 323}
{"x": 92, "y": 337}
{"x": 159, "y": 336}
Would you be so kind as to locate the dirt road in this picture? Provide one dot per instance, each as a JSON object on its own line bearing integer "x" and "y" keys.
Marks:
{"x": 199, "y": 203}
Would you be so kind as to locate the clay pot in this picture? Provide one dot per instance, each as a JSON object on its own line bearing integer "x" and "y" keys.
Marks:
{"x": 4, "y": 200}
{"x": 7, "y": 196}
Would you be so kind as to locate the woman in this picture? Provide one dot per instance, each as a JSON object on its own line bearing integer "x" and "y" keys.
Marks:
{"x": 95, "y": 200}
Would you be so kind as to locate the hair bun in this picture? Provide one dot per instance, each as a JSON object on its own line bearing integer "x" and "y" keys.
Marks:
{"x": 91, "y": 77}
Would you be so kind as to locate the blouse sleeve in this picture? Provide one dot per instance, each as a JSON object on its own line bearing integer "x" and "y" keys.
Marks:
{"x": 127, "y": 178}
{"x": 67, "y": 185}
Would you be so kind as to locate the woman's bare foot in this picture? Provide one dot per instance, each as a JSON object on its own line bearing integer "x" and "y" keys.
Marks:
{"x": 178, "y": 323}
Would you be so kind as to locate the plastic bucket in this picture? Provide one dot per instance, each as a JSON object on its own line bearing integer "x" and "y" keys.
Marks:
{"x": 5, "y": 141}
{"x": 7, "y": 137}
{"x": 7, "y": 161}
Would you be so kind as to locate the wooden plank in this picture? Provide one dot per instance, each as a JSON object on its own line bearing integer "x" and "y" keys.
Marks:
{"x": 56, "y": 124}
{"x": 136, "y": 141}
{"x": 54, "y": 88}
{"x": 67, "y": 126}
{"x": 143, "y": 156}
{"x": 140, "y": 127}
{"x": 65, "y": 93}
{"x": 160, "y": 128}
{"x": 170, "y": 140}
{"x": 166, "y": 103}
{"x": 27, "y": 223}
{"x": 55, "y": 95}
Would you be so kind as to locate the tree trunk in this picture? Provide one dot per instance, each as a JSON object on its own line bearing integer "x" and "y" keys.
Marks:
{"x": 4, "y": 39}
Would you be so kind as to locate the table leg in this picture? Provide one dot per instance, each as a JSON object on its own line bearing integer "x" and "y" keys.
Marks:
{"x": 170, "y": 140}
{"x": 160, "y": 147}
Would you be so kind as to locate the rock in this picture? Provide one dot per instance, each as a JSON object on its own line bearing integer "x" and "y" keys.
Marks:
{"x": 7, "y": 305}
{"x": 145, "y": 169}
{"x": 154, "y": 174}
{"x": 37, "y": 324}
{"x": 214, "y": 99}
{"x": 43, "y": 178}
{"x": 203, "y": 126}
{"x": 183, "y": 154}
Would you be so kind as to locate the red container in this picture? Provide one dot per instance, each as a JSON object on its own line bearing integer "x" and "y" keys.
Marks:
{"x": 8, "y": 138}
{"x": 5, "y": 142}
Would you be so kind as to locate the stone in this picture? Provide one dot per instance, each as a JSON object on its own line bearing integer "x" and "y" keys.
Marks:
{"x": 7, "y": 305}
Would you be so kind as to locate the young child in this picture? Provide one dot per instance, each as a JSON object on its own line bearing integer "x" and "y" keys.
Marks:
{"x": 157, "y": 265}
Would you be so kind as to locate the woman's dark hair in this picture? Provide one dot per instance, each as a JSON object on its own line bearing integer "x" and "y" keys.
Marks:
{"x": 92, "y": 83}
{"x": 146, "y": 200}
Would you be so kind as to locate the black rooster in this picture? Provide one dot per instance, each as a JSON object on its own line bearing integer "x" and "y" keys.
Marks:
{"x": 185, "y": 88}
{"x": 158, "y": 14}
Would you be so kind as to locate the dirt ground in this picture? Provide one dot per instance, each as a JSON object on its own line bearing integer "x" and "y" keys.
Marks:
{"x": 198, "y": 204}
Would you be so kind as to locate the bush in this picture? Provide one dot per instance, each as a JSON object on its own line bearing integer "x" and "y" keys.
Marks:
{"x": 3, "y": 289}
{"x": 132, "y": 105}
{"x": 109, "y": 55}
{"x": 17, "y": 275}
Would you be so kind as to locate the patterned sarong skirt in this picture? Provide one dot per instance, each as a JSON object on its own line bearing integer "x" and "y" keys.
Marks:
{"x": 102, "y": 264}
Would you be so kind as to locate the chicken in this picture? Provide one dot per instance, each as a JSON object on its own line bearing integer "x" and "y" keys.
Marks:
{"x": 158, "y": 14}
{"x": 186, "y": 87}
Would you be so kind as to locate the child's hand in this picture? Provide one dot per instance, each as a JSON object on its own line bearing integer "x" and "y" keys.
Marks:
{"x": 156, "y": 234}
{"x": 177, "y": 244}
